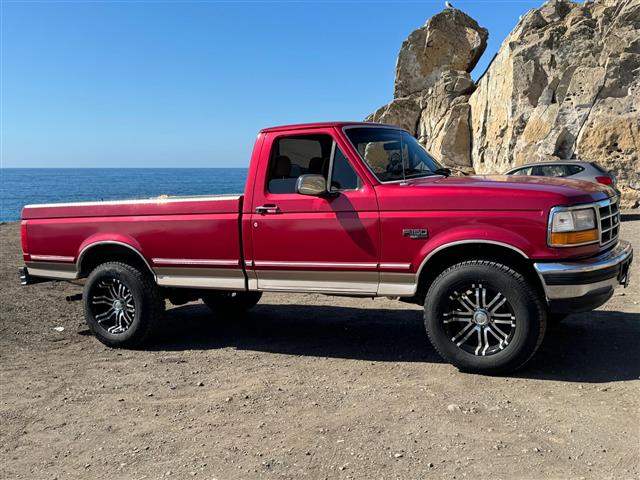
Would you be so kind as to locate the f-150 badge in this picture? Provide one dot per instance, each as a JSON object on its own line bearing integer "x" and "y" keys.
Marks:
{"x": 415, "y": 233}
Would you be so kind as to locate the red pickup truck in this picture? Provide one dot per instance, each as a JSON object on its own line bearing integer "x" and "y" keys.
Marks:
{"x": 356, "y": 209}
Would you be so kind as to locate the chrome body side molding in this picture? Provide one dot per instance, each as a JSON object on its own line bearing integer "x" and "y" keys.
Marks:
{"x": 139, "y": 201}
{"x": 346, "y": 265}
{"x": 51, "y": 258}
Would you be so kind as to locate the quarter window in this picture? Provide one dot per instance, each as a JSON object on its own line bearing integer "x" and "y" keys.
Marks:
{"x": 573, "y": 169}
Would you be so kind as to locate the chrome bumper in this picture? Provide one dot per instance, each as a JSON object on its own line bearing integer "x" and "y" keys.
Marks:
{"x": 591, "y": 276}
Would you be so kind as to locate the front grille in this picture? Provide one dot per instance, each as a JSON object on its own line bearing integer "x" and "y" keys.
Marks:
{"x": 609, "y": 216}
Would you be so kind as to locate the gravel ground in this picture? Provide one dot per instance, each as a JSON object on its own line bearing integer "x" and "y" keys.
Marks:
{"x": 308, "y": 386}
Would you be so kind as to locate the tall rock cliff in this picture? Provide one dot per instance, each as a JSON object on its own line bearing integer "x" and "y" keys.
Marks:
{"x": 564, "y": 84}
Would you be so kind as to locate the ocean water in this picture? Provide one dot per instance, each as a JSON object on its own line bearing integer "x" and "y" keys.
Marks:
{"x": 23, "y": 186}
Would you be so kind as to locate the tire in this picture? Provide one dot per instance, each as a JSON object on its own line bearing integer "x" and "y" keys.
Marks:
{"x": 483, "y": 317}
{"x": 121, "y": 305}
{"x": 231, "y": 302}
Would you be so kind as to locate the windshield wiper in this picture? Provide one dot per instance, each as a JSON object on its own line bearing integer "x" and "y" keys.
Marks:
{"x": 413, "y": 172}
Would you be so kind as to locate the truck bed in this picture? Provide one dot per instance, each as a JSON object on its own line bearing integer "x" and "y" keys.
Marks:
{"x": 192, "y": 241}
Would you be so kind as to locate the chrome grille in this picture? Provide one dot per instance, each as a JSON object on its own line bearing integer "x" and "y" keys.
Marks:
{"x": 609, "y": 217}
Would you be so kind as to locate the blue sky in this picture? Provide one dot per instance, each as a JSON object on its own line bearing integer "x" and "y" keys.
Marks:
{"x": 189, "y": 84}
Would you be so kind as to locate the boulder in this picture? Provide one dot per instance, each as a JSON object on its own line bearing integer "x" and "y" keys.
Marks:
{"x": 432, "y": 85}
{"x": 403, "y": 112}
{"x": 443, "y": 126}
{"x": 450, "y": 40}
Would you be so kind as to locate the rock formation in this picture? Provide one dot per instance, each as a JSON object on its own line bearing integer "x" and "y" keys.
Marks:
{"x": 564, "y": 84}
{"x": 433, "y": 85}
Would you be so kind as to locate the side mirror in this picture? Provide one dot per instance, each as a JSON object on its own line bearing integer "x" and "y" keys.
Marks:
{"x": 311, "y": 184}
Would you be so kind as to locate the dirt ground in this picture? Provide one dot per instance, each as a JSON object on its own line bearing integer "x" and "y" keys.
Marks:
{"x": 308, "y": 386}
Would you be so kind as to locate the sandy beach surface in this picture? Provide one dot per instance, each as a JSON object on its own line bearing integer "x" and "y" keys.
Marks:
{"x": 308, "y": 386}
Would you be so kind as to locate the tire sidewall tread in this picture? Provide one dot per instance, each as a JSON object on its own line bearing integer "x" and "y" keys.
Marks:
{"x": 149, "y": 302}
{"x": 531, "y": 320}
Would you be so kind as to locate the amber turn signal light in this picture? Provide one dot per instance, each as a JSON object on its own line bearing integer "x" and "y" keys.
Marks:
{"x": 574, "y": 238}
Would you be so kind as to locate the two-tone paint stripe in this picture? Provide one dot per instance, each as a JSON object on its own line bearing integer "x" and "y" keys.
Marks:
{"x": 210, "y": 262}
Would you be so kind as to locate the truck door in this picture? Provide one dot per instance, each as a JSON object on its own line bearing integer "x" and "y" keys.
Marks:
{"x": 327, "y": 244}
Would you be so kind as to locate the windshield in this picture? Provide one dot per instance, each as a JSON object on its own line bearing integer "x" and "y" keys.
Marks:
{"x": 391, "y": 154}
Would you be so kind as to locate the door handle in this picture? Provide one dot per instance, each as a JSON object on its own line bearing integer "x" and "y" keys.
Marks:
{"x": 270, "y": 208}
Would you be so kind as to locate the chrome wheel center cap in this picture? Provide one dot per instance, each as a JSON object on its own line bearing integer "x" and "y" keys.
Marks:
{"x": 481, "y": 317}
{"x": 117, "y": 305}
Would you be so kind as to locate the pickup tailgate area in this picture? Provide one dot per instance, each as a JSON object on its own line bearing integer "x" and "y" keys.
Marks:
{"x": 185, "y": 241}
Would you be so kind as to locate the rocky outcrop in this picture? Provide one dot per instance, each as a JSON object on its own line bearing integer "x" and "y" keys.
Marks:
{"x": 564, "y": 84}
{"x": 450, "y": 40}
{"x": 433, "y": 85}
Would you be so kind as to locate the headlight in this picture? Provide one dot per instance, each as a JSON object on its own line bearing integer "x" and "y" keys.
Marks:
{"x": 572, "y": 227}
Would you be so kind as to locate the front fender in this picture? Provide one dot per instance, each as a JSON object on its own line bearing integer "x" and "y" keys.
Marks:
{"x": 465, "y": 235}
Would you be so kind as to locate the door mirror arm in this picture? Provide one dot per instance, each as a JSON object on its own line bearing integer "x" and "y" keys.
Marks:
{"x": 331, "y": 194}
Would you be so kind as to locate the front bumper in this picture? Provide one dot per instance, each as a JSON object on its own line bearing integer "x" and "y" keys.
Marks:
{"x": 585, "y": 284}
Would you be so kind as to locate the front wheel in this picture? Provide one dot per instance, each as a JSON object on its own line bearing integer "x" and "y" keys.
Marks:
{"x": 231, "y": 302}
{"x": 483, "y": 317}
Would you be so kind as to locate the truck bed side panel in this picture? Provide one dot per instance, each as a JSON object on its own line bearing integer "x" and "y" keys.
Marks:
{"x": 187, "y": 243}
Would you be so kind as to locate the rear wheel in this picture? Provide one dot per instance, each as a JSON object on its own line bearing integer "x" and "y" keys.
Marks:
{"x": 231, "y": 302}
{"x": 483, "y": 317}
{"x": 121, "y": 304}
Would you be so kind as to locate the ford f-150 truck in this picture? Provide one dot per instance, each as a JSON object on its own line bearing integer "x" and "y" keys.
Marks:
{"x": 345, "y": 208}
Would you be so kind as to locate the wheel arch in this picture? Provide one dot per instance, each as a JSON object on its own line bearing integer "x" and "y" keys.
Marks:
{"x": 451, "y": 253}
{"x": 102, "y": 251}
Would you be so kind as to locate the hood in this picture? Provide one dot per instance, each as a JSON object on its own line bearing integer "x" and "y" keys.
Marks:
{"x": 496, "y": 192}
{"x": 574, "y": 189}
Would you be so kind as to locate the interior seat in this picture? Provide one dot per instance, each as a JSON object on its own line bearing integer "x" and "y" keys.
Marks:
{"x": 317, "y": 166}
{"x": 281, "y": 180}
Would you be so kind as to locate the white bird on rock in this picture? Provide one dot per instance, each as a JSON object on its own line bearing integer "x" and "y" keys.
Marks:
{"x": 448, "y": 5}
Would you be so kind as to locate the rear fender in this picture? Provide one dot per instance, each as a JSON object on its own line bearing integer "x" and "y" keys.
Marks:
{"x": 103, "y": 239}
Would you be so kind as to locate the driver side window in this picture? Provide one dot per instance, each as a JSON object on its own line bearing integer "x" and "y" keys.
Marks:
{"x": 297, "y": 155}
{"x": 293, "y": 156}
